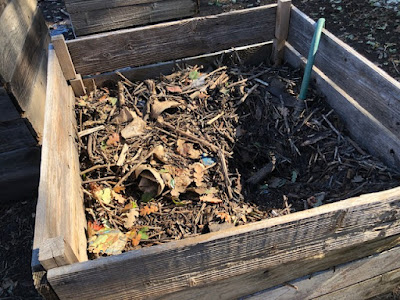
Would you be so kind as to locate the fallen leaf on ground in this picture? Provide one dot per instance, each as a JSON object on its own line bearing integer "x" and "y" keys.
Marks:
{"x": 107, "y": 241}
{"x": 159, "y": 153}
{"x": 113, "y": 139}
{"x": 174, "y": 89}
{"x": 135, "y": 128}
{"x": 210, "y": 198}
{"x": 148, "y": 209}
{"x": 150, "y": 180}
{"x": 131, "y": 218}
{"x": 118, "y": 188}
{"x": 125, "y": 115}
{"x": 187, "y": 150}
{"x": 224, "y": 217}
{"x": 158, "y": 107}
{"x": 121, "y": 199}
{"x": 93, "y": 227}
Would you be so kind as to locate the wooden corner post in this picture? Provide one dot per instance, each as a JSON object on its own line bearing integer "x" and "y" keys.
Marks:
{"x": 67, "y": 65}
{"x": 281, "y": 30}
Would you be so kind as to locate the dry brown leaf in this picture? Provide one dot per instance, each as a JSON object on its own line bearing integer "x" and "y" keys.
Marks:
{"x": 151, "y": 181}
{"x": 131, "y": 218}
{"x": 148, "y": 209}
{"x": 198, "y": 173}
{"x": 113, "y": 139}
{"x": 158, "y": 107}
{"x": 134, "y": 236}
{"x": 125, "y": 115}
{"x": 135, "y": 128}
{"x": 174, "y": 89}
{"x": 118, "y": 188}
{"x": 187, "y": 150}
{"x": 210, "y": 198}
{"x": 121, "y": 199}
{"x": 159, "y": 153}
{"x": 205, "y": 190}
{"x": 224, "y": 216}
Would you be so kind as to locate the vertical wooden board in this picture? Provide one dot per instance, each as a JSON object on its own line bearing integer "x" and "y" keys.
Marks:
{"x": 28, "y": 84}
{"x": 7, "y": 108}
{"x": 15, "y": 135}
{"x": 60, "y": 203}
{"x": 373, "y": 88}
{"x": 173, "y": 40}
{"x": 106, "y": 19}
{"x": 324, "y": 283}
{"x": 366, "y": 129}
{"x": 63, "y": 56}
{"x": 19, "y": 174}
{"x": 198, "y": 262}
{"x": 15, "y": 21}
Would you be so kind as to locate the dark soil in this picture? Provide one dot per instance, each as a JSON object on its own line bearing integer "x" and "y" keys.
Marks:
{"x": 371, "y": 30}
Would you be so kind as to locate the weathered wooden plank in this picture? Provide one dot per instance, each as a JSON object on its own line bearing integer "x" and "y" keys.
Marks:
{"x": 281, "y": 29}
{"x": 366, "y": 128}
{"x": 337, "y": 280}
{"x": 55, "y": 252}
{"x": 7, "y": 108}
{"x": 85, "y": 5}
{"x": 3, "y": 4}
{"x": 367, "y": 289}
{"x": 205, "y": 260}
{"x": 15, "y": 135}
{"x": 373, "y": 88}
{"x": 60, "y": 211}
{"x": 78, "y": 86}
{"x": 63, "y": 56}
{"x": 15, "y": 21}
{"x": 172, "y": 40}
{"x": 251, "y": 55}
{"x": 105, "y": 19}
{"x": 28, "y": 84}
{"x": 19, "y": 174}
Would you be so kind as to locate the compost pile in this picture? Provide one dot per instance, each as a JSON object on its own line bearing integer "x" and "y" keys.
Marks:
{"x": 198, "y": 151}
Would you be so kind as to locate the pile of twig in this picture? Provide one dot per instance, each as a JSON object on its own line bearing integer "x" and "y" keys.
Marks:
{"x": 166, "y": 159}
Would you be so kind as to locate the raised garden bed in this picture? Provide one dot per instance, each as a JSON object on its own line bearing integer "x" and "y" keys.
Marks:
{"x": 241, "y": 260}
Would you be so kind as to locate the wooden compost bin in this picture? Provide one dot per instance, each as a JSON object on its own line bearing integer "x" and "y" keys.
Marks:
{"x": 246, "y": 259}
{"x": 93, "y": 16}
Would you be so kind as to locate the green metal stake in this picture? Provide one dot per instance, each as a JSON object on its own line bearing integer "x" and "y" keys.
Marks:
{"x": 311, "y": 57}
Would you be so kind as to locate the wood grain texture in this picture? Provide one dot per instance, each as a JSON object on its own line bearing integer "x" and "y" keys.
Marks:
{"x": 96, "y": 20}
{"x": 19, "y": 168}
{"x": 366, "y": 128}
{"x": 200, "y": 261}
{"x": 15, "y": 21}
{"x": 337, "y": 281}
{"x": 77, "y": 86}
{"x": 60, "y": 211}
{"x": 373, "y": 88}
{"x": 63, "y": 56}
{"x": 42, "y": 286}
{"x": 55, "y": 252}
{"x": 281, "y": 29}
{"x": 86, "y": 5}
{"x": 172, "y": 40}
{"x": 28, "y": 83}
{"x": 15, "y": 135}
{"x": 251, "y": 55}
{"x": 7, "y": 107}
{"x": 3, "y": 4}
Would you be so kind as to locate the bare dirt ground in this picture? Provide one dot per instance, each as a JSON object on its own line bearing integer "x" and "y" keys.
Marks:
{"x": 371, "y": 27}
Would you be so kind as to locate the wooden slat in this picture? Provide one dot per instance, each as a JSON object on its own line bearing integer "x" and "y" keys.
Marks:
{"x": 207, "y": 259}
{"x": 55, "y": 252}
{"x": 251, "y": 55}
{"x": 281, "y": 29}
{"x": 334, "y": 283}
{"x": 77, "y": 86}
{"x": 173, "y": 40}
{"x": 7, "y": 108}
{"x": 60, "y": 211}
{"x": 86, "y": 5}
{"x": 15, "y": 135}
{"x": 28, "y": 84}
{"x": 19, "y": 174}
{"x": 373, "y": 88}
{"x": 63, "y": 56}
{"x": 366, "y": 129}
{"x": 105, "y": 19}
{"x": 15, "y": 21}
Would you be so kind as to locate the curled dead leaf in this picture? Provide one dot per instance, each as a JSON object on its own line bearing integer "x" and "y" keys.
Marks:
{"x": 131, "y": 218}
{"x": 125, "y": 115}
{"x": 224, "y": 217}
{"x": 210, "y": 198}
{"x": 174, "y": 89}
{"x": 135, "y": 128}
{"x": 151, "y": 181}
{"x": 148, "y": 209}
{"x": 158, "y": 107}
{"x": 159, "y": 153}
